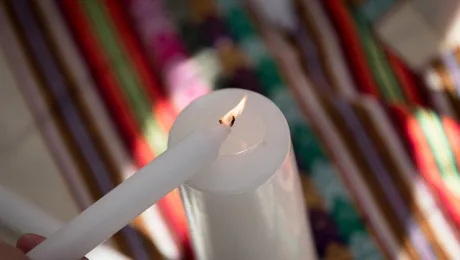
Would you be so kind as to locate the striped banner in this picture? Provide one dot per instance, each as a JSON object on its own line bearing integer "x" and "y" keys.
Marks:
{"x": 376, "y": 143}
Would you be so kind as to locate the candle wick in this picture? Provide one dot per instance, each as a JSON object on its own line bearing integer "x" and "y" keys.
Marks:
{"x": 229, "y": 118}
{"x": 231, "y": 122}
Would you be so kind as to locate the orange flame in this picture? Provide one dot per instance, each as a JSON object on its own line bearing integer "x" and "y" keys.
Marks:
{"x": 229, "y": 118}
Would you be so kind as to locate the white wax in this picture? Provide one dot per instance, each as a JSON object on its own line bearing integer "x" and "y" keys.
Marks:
{"x": 247, "y": 204}
{"x": 22, "y": 217}
{"x": 129, "y": 199}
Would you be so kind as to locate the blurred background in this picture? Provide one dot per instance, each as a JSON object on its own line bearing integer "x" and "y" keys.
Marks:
{"x": 370, "y": 88}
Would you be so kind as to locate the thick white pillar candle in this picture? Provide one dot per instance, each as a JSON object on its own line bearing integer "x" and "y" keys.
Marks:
{"x": 247, "y": 204}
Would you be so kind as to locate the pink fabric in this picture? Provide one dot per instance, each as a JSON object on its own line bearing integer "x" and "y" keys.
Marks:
{"x": 167, "y": 51}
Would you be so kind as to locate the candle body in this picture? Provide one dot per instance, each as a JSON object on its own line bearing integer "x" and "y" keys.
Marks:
{"x": 247, "y": 204}
{"x": 265, "y": 223}
{"x": 129, "y": 199}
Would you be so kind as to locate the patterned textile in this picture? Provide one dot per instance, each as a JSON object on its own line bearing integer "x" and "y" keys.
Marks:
{"x": 377, "y": 144}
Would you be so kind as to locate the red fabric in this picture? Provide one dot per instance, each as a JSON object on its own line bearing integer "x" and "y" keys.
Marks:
{"x": 166, "y": 114}
{"x": 405, "y": 78}
{"x": 452, "y": 129}
{"x": 351, "y": 46}
{"x": 107, "y": 84}
{"x": 170, "y": 206}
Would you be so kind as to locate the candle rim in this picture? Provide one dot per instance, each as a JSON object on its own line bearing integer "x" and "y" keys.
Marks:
{"x": 233, "y": 174}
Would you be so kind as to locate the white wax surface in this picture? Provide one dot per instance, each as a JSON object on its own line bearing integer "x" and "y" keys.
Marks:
{"x": 22, "y": 217}
{"x": 261, "y": 127}
{"x": 248, "y": 203}
{"x": 132, "y": 197}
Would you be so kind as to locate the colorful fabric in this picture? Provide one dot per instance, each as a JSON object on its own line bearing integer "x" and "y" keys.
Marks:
{"x": 380, "y": 173}
{"x": 326, "y": 40}
{"x": 111, "y": 85}
{"x": 43, "y": 62}
{"x": 341, "y": 208}
{"x": 383, "y": 74}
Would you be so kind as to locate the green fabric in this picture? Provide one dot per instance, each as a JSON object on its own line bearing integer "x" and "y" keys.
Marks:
{"x": 126, "y": 75}
{"x": 383, "y": 74}
{"x": 375, "y": 9}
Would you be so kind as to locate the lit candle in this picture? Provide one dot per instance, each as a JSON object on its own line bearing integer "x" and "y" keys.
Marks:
{"x": 117, "y": 208}
{"x": 247, "y": 204}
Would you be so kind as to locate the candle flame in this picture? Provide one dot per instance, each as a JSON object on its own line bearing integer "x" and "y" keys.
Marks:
{"x": 229, "y": 118}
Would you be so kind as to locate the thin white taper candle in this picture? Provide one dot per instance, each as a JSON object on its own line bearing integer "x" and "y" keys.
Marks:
{"x": 129, "y": 199}
{"x": 21, "y": 216}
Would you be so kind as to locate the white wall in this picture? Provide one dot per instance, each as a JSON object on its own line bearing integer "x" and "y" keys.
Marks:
{"x": 26, "y": 165}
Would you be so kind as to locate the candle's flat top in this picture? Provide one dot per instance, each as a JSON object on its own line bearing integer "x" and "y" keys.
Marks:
{"x": 248, "y": 131}
{"x": 256, "y": 148}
